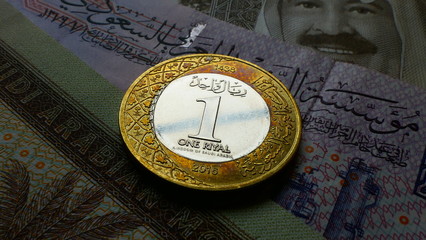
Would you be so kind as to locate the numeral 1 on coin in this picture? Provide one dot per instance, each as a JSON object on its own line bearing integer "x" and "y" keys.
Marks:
{"x": 208, "y": 121}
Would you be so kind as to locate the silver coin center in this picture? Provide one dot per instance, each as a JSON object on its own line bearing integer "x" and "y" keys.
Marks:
{"x": 210, "y": 117}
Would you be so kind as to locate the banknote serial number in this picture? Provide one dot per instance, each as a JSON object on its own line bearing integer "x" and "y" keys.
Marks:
{"x": 225, "y": 68}
{"x": 201, "y": 168}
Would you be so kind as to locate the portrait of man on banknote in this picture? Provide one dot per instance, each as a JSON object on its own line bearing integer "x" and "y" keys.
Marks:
{"x": 363, "y": 32}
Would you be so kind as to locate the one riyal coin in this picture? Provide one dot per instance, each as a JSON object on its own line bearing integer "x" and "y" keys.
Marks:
{"x": 210, "y": 122}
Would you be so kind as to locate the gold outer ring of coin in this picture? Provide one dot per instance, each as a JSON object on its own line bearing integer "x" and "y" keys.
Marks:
{"x": 277, "y": 149}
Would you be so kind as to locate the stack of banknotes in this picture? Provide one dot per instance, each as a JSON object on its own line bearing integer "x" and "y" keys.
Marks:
{"x": 356, "y": 69}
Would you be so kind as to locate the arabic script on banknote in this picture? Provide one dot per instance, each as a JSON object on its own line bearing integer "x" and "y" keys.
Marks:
{"x": 360, "y": 170}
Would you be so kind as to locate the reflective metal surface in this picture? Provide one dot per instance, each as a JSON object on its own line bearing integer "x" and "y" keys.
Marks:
{"x": 210, "y": 122}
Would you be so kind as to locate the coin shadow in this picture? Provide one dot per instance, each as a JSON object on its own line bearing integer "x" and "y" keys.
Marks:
{"x": 266, "y": 190}
{"x": 239, "y": 198}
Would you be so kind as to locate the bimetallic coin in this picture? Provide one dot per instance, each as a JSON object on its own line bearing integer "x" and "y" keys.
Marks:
{"x": 210, "y": 122}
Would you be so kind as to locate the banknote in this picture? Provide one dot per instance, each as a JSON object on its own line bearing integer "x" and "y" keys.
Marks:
{"x": 385, "y": 35}
{"x": 360, "y": 170}
{"x": 64, "y": 181}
